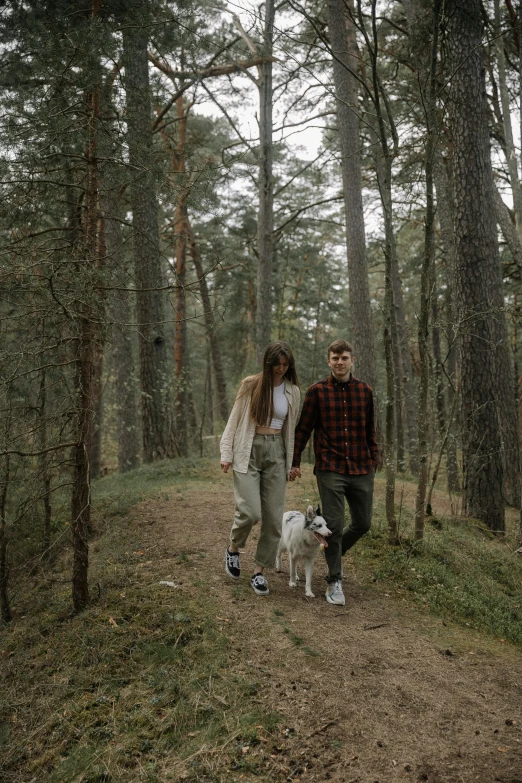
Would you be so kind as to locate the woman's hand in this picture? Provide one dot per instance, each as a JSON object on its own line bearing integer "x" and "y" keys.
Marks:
{"x": 294, "y": 473}
{"x": 225, "y": 466}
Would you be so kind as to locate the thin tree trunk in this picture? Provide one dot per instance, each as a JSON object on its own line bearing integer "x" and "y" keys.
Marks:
{"x": 44, "y": 472}
{"x": 404, "y": 390}
{"x": 127, "y": 423}
{"x": 265, "y": 230}
{"x": 384, "y": 160}
{"x": 5, "y": 607}
{"x": 215, "y": 349}
{"x": 426, "y": 277}
{"x": 444, "y": 190}
{"x": 95, "y": 447}
{"x": 86, "y": 361}
{"x": 341, "y": 31}
{"x": 476, "y": 276}
{"x": 406, "y": 380}
{"x": 148, "y": 270}
{"x": 181, "y": 231}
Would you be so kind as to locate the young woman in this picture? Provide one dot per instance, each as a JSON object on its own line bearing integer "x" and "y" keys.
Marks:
{"x": 258, "y": 443}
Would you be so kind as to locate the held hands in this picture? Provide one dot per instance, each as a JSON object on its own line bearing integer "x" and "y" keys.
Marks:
{"x": 294, "y": 473}
{"x": 225, "y": 466}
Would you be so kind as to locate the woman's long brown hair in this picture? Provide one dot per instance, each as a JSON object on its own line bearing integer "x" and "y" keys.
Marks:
{"x": 261, "y": 385}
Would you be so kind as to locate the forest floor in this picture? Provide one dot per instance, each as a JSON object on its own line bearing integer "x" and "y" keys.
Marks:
{"x": 281, "y": 688}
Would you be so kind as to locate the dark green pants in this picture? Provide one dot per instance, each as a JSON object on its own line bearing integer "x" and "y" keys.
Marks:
{"x": 358, "y": 491}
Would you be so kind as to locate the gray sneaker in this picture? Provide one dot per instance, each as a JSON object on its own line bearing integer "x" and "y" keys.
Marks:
{"x": 334, "y": 593}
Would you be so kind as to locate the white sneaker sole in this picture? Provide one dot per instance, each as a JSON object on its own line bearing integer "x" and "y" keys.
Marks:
{"x": 334, "y": 603}
{"x": 259, "y": 592}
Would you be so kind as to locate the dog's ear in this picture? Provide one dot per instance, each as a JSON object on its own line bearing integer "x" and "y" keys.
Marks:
{"x": 318, "y": 511}
{"x": 310, "y": 513}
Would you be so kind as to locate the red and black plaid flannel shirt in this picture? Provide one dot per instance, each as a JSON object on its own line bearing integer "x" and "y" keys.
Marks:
{"x": 341, "y": 416}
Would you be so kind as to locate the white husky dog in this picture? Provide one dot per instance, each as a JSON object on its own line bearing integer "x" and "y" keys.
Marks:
{"x": 302, "y": 537}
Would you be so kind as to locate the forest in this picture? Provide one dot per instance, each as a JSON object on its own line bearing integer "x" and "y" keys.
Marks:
{"x": 182, "y": 183}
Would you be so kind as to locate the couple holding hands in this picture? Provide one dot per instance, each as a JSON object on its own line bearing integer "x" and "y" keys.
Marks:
{"x": 263, "y": 442}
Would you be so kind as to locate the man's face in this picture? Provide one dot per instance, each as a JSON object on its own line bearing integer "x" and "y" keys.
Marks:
{"x": 341, "y": 365}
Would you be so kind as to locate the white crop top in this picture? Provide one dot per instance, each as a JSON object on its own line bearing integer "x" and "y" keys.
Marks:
{"x": 280, "y": 408}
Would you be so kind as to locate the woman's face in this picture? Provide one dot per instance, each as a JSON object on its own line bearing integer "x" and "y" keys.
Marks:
{"x": 279, "y": 369}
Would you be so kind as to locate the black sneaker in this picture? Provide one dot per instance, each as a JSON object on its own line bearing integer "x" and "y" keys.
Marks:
{"x": 259, "y": 584}
{"x": 232, "y": 564}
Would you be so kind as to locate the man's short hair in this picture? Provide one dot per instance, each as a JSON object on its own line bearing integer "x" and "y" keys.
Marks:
{"x": 339, "y": 346}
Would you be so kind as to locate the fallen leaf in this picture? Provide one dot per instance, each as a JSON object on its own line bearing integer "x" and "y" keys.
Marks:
{"x": 502, "y": 750}
{"x": 113, "y": 622}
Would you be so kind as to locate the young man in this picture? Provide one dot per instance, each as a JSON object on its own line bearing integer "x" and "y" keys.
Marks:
{"x": 339, "y": 410}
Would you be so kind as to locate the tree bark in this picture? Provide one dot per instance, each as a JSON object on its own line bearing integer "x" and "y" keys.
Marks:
{"x": 384, "y": 156}
{"x": 127, "y": 423}
{"x": 181, "y": 231}
{"x": 5, "y": 607}
{"x": 427, "y": 274}
{"x": 86, "y": 366}
{"x": 265, "y": 229}
{"x": 477, "y": 267}
{"x": 215, "y": 349}
{"x": 444, "y": 191}
{"x": 341, "y": 32}
{"x": 44, "y": 472}
{"x": 148, "y": 271}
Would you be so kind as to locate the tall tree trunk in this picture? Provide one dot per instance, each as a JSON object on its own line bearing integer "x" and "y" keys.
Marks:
{"x": 45, "y": 476}
{"x": 444, "y": 190}
{"x": 181, "y": 231}
{"x": 426, "y": 278}
{"x": 477, "y": 267}
{"x": 148, "y": 270}
{"x": 215, "y": 348}
{"x": 384, "y": 156}
{"x": 341, "y": 31}
{"x": 95, "y": 446}
{"x": 86, "y": 365}
{"x": 405, "y": 407}
{"x": 406, "y": 380}
{"x": 265, "y": 229}
{"x": 5, "y": 607}
{"x": 127, "y": 423}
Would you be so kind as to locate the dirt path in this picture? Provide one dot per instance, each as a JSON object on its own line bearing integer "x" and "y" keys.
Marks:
{"x": 370, "y": 693}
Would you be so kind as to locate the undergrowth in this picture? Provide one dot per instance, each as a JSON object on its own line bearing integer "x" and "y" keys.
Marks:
{"x": 140, "y": 687}
{"x": 458, "y": 571}
{"x": 143, "y": 684}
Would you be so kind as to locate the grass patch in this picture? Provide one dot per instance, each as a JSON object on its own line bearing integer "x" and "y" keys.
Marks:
{"x": 116, "y": 494}
{"x": 140, "y": 687}
{"x": 459, "y": 572}
{"x": 121, "y": 692}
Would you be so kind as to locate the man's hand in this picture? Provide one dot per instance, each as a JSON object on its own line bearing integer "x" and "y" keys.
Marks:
{"x": 294, "y": 473}
{"x": 225, "y": 466}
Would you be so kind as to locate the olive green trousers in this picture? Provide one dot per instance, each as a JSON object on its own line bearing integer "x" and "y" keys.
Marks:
{"x": 260, "y": 496}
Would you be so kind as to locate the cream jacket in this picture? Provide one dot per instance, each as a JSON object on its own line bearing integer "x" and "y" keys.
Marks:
{"x": 237, "y": 439}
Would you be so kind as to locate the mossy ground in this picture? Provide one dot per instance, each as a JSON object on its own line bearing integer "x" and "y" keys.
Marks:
{"x": 154, "y": 681}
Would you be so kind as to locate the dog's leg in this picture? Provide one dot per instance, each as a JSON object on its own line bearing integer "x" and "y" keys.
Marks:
{"x": 293, "y": 574}
{"x": 309, "y": 567}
